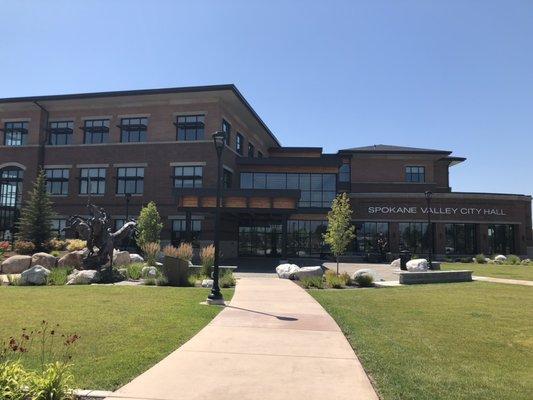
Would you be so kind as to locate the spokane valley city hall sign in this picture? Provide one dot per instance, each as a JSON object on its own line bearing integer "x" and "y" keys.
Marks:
{"x": 435, "y": 210}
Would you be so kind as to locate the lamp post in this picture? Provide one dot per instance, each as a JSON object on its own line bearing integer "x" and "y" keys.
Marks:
{"x": 429, "y": 195}
{"x": 215, "y": 297}
{"x": 128, "y": 198}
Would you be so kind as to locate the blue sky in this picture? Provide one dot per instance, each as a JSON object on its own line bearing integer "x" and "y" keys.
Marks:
{"x": 454, "y": 75}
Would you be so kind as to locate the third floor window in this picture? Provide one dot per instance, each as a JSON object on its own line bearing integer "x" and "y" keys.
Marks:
{"x": 190, "y": 127}
{"x": 415, "y": 174}
{"x": 60, "y": 133}
{"x": 96, "y": 131}
{"x": 133, "y": 130}
{"x": 188, "y": 177}
{"x": 239, "y": 144}
{"x": 15, "y": 133}
{"x": 226, "y": 128}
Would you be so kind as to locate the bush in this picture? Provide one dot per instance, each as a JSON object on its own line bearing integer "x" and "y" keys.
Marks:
{"x": 207, "y": 257}
{"x": 13, "y": 280}
{"x": 334, "y": 281}
{"x": 134, "y": 271}
{"x": 151, "y": 251}
{"x": 149, "y": 282}
{"x": 57, "y": 244}
{"x": 14, "y": 380}
{"x": 184, "y": 251}
{"x": 170, "y": 251}
{"x": 466, "y": 260}
{"x": 480, "y": 259}
{"x": 149, "y": 225}
{"x": 227, "y": 279}
{"x": 76, "y": 244}
{"x": 364, "y": 280}
{"x": 58, "y": 276}
{"x": 24, "y": 247}
{"x": 161, "y": 281}
{"x": 55, "y": 253}
{"x": 53, "y": 384}
{"x": 4, "y": 246}
{"x": 312, "y": 282}
{"x": 512, "y": 260}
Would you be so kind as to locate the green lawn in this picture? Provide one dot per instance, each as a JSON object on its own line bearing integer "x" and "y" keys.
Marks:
{"x": 448, "y": 341}
{"x": 124, "y": 330}
{"x": 524, "y": 272}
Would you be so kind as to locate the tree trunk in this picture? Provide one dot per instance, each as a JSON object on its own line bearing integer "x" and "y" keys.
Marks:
{"x": 337, "y": 266}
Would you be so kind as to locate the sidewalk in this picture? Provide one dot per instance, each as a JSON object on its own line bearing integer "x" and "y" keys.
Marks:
{"x": 273, "y": 342}
{"x": 502, "y": 280}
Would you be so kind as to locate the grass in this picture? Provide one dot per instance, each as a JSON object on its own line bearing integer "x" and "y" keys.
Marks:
{"x": 524, "y": 272}
{"x": 435, "y": 342}
{"x": 124, "y": 330}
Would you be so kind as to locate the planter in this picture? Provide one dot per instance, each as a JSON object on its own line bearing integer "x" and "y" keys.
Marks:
{"x": 176, "y": 271}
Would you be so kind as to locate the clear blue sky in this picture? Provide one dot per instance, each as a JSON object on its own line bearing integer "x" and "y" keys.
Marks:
{"x": 450, "y": 74}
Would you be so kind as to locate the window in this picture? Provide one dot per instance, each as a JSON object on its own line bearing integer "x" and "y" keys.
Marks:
{"x": 259, "y": 154}
{"x": 226, "y": 128}
{"x": 260, "y": 239}
{"x": 460, "y": 239}
{"x": 60, "y": 133}
{"x": 179, "y": 230}
{"x": 501, "y": 239}
{"x": 57, "y": 181}
{"x": 93, "y": 178}
{"x": 414, "y": 237}
{"x": 96, "y": 131}
{"x": 317, "y": 190}
{"x": 190, "y": 127}
{"x": 239, "y": 144}
{"x": 372, "y": 237}
{"x": 58, "y": 226}
{"x": 227, "y": 178}
{"x": 415, "y": 174}
{"x": 130, "y": 180}
{"x": 251, "y": 150}
{"x": 133, "y": 130}
{"x": 188, "y": 177}
{"x": 10, "y": 200}
{"x": 15, "y": 133}
{"x": 345, "y": 173}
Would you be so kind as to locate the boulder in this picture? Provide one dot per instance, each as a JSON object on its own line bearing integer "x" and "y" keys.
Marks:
{"x": 286, "y": 271}
{"x": 500, "y": 258}
{"x": 417, "y": 265}
{"x": 207, "y": 283}
{"x": 136, "y": 258}
{"x": 44, "y": 259}
{"x": 15, "y": 264}
{"x": 308, "y": 272}
{"x": 73, "y": 259}
{"x": 367, "y": 271}
{"x": 84, "y": 277}
{"x": 36, "y": 275}
{"x": 525, "y": 261}
{"x": 149, "y": 272}
{"x": 121, "y": 258}
{"x": 396, "y": 264}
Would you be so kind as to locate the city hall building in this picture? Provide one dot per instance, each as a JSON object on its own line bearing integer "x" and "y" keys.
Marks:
{"x": 120, "y": 150}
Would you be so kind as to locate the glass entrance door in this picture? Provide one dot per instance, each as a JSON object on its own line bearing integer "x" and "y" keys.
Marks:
{"x": 260, "y": 240}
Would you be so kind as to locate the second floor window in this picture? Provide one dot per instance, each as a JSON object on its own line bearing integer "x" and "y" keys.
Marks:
{"x": 226, "y": 128}
{"x": 60, "y": 133}
{"x": 344, "y": 173}
{"x": 133, "y": 130}
{"x": 93, "y": 180}
{"x": 96, "y": 131}
{"x": 415, "y": 174}
{"x": 188, "y": 177}
{"x": 190, "y": 127}
{"x": 15, "y": 133}
{"x": 251, "y": 150}
{"x": 57, "y": 181}
{"x": 239, "y": 144}
{"x": 130, "y": 180}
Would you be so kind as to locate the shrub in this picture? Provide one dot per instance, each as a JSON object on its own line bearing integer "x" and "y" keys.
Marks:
{"x": 58, "y": 276}
{"x": 76, "y": 244}
{"x": 480, "y": 259}
{"x": 134, "y": 271}
{"x": 55, "y": 253}
{"x": 24, "y": 247}
{"x": 149, "y": 282}
{"x": 13, "y": 280}
{"x": 4, "y": 246}
{"x": 512, "y": 260}
{"x": 207, "y": 257}
{"x": 466, "y": 260}
{"x": 57, "y": 244}
{"x": 364, "y": 280}
{"x": 184, "y": 251}
{"x": 333, "y": 280}
{"x": 14, "y": 380}
{"x": 312, "y": 282}
{"x": 227, "y": 279}
{"x": 151, "y": 251}
{"x": 161, "y": 281}
{"x": 170, "y": 251}
{"x": 345, "y": 278}
{"x": 53, "y": 384}
{"x": 149, "y": 225}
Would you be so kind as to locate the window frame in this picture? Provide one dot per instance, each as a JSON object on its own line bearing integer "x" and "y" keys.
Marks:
{"x": 99, "y": 179}
{"x": 16, "y": 127}
{"x": 141, "y": 131}
{"x": 92, "y": 130}
{"x": 195, "y": 177}
{"x": 62, "y": 181}
{"x": 412, "y": 171}
{"x": 56, "y": 131}
{"x": 195, "y": 126}
{"x": 239, "y": 144}
{"x": 138, "y": 180}
{"x": 226, "y": 128}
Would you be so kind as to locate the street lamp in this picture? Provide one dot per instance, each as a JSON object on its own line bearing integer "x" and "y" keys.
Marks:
{"x": 215, "y": 297}
{"x": 429, "y": 195}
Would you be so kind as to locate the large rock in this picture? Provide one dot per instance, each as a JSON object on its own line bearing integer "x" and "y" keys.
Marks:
{"x": 16, "y": 264}
{"x": 396, "y": 264}
{"x": 73, "y": 259}
{"x": 305, "y": 272}
{"x": 84, "y": 277}
{"x": 136, "y": 258}
{"x": 46, "y": 260}
{"x": 286, "y": 271}
{"x": 207, "y": 283}
{"x": 417, "y": 265}
{"x": 366, "y": 271}
{"x": 149, "y": 272}
{"x": 500, "y": 258}
{"x": 36, "y": 275}
{"x": 121, "y": 258}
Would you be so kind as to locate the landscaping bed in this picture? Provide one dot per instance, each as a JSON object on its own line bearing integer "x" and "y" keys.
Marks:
{"x": 523, "y": 272}
{"x": 123, "y": 330}
{"x": 444, "y": 341}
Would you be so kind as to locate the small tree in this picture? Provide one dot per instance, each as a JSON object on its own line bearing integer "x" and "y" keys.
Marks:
{"x": 340, "y": 230}
{"x": 149, "y": 225}
{"x": 35, "y": 224}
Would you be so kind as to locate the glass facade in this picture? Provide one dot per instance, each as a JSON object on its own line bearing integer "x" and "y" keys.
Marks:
{"x": 460, "y": 239}
{"x": 501, "y": 239}
{"x": 414, "y": 237}
{"x": 260, "y": 240}
{"x": 305, "y": 238}
{"x": 10, "y": 200}
{"x": 15, "y": 133}
{"x": 317, "y": 190}
{"x": 372, "y": 237}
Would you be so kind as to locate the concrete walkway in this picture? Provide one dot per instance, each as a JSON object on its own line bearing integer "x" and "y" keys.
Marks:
{"x": 502, "y": 280}
{"x": 273, "y": 342}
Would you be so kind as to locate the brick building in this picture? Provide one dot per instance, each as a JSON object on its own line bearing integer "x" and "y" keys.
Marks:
{"x": 120, "y": 150}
